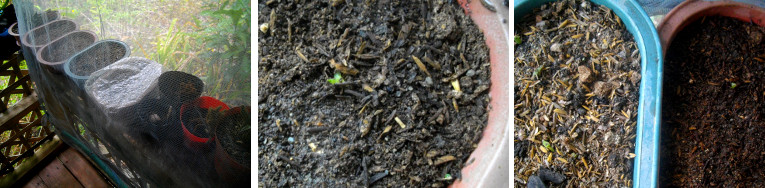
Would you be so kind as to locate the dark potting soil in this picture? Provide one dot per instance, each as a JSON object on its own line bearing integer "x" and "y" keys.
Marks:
{"x": 195, "y": 120}
{"x": 99, "y": 57}
{"x": 577, "y": 78}
{"x": 713, "y": 132}
{"x": 395, "y": 119}
{"x": 234, "y": 135}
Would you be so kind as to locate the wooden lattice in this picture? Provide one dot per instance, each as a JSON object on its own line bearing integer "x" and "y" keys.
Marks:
{"x": 21, "y": 127}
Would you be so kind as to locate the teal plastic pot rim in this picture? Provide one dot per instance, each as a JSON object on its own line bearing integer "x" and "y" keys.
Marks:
{"x": 645, "y": 168}
{"x": 81, "y": 78}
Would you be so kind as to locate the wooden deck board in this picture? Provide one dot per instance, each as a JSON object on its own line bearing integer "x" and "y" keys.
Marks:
{"x": 57, "y": 174}
{"x": 65, "y": 168}
{"x": 36, "y": 182}
{"x": 81, "y": 169}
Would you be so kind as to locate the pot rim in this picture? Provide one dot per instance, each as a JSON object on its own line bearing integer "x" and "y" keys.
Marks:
{"x": 689, "y": 11}
{"x": 637, "y": 22}
{"x": 25, "y": 41}
{"x": 68, "y": 63}
{"x": 40, "y": 51}
{"x": 205, "y": 102}
{"x": 10, "y": 29}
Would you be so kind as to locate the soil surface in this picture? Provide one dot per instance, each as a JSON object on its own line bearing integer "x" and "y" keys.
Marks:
{"x": 194, "y": 119}
{"x": 234, "y": 135}
{"x": 396, "y": 118}
{"x": 712, "y": 107}
{"x": 98, "y": 57}
{"x": 577, "y": 78}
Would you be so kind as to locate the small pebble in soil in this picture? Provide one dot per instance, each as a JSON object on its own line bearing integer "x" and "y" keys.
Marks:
{"x": 290, "y": 140}
{"x": 535, "y": 182}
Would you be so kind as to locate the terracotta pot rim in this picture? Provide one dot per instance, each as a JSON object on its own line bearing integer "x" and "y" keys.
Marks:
{"x": 689, "y": 11}
{"x": 206, "y": 103}
{"x": 10, "y": 29}
{"x": 25, "y": 41}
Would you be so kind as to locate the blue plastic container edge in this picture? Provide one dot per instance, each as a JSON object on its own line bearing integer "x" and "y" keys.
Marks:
{"x": 637, "y": 22}
{"x": 80, "y": 80}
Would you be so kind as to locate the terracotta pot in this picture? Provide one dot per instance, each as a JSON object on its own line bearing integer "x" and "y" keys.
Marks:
{"x": 637, "y": 22}
{"x": 56, "y": 53}
{"x": 193, "y": 141}
{"x": 490, "y": 161}
{"x": 689, "y": 11}
{"x": 230, "y": 170}
{"x": 44, "y": 34}
{"x": 15, "y": 34}
{"x": 93, "y": 58}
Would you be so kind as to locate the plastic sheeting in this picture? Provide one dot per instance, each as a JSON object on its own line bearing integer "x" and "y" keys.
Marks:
{"x": 186, "y": 59}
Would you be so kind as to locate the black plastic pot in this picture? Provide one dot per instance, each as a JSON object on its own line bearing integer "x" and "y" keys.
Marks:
{"x": 93, "y": 58}
{"x": 178, "y": 87}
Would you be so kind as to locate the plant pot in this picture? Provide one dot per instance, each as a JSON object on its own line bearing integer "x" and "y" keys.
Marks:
{"x": 56, "y": 53}
{"x": 638, "y": 23}
{"x": 490, "y": 160}
{"x": 123, "y": 84}
{"x": 687, "y": 12}
{"x": 195, "y": 113}
{"x": 178, "y": 87}
{"x": 44, "y": 34}
{"x": 13, "y": 30}
{"x": 231, "y": 171}
{"x": 7, "y": 40}
{"x": 49, "y": 15}
{"x": 93, "y": 58}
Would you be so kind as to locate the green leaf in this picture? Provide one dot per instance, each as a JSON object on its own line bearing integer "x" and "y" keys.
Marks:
{"x": 547, "y": 145}
{"x": 733, "y": 85}
{"x": 537, "y": 71}
{"x": 338, "y": 79}
{"x": 517, "y": 39}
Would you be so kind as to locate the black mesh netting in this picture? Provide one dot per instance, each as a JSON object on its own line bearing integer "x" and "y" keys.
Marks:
{"x": 157, "y": 93}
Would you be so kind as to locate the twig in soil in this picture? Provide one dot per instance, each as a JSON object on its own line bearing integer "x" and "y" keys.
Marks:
{"x": 378, "y": 176}
{"x": 420, "y": 65}
{"x": 342, "y": 37}
{"x": 400, "y": 123}
{"x": 314, "y": 130}
{"x": 432, "y": 63}
{"x": 361, "y": 48}
{"x": 364, "y": 175}
{"x": 366, "y": 56}
{"x": 354, "y": 93}
{"x": 287, "y": 160}
{"x": 390, "y": 117}
{"x": 444, "y": 159}
{"x": 387, "y": 129}
{"x": 300, "y": 55}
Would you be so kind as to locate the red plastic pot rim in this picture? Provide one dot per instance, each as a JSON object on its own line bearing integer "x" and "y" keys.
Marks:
{"x": 689, "y": 11}
{"x": 203, "y": 102}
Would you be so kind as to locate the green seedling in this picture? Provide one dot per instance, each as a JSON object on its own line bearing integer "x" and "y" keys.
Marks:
{"x": 338, "y": 79}
{"x": 547, "y": 145}
{"x": 733, "y": 85}
{"x": 517, "y": 39}
{"x": 537, "y": 71}
{"x": 447, "y": 177}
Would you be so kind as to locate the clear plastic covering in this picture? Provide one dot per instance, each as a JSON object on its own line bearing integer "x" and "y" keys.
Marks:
{"x": 155, "y": 92}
